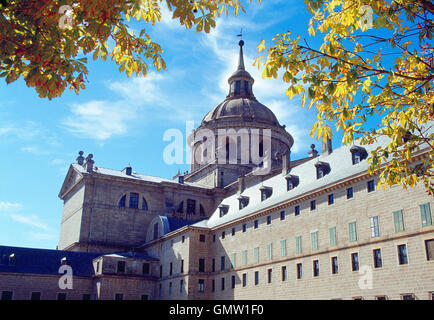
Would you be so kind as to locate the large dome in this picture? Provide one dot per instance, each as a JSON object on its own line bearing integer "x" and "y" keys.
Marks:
{"x": 240, "y": 104}
{"x": 241, "y": 108}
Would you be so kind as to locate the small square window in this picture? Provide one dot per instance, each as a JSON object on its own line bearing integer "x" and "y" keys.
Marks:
{"x": 331, "y": 198}
{"x": 371, "y": 186}
{"x": 312, "y": 205}
{"x": 202, "y": 238}
{"x": 350, "y": 193}
{"x": 121, "y": 267}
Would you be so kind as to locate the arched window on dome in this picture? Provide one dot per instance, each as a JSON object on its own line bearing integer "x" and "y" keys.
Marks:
{"x": 122, "y": 201}
{"x": 144, "y": 204}
{"x": 237, "y": 87}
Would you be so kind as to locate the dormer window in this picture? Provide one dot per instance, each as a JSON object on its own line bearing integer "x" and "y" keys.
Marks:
{"x": 291, "y": 181}
{"x": 223, "y": 209}
{"x": 322, "y": 168}
{"x": 243, "y": 201}
{"x": 358, "y": 154}
{"x": 266, "y": 192}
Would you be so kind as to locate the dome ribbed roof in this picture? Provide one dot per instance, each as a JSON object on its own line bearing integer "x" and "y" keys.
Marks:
{"x": 244, "y": 109}
{"x": 241, "y": 104}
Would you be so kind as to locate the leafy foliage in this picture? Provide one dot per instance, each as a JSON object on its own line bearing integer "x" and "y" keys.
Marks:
{"x": 46, "y": 41}
{"x": 363, "y": 71}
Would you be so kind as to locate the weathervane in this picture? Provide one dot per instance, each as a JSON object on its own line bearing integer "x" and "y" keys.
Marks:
{"x": 241, "y": 34}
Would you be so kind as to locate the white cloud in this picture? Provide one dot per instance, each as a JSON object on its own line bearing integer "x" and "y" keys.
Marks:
{"x": 37, "y": 236}
{"x": 8, "y": 206}
{"x": 100, "y": 120}
{"x": 31, "y": 220}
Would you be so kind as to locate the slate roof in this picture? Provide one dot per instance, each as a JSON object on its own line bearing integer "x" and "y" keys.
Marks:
{"x": 340, "y": 162}
{"x": 45, "y": 261}
{"x": 135, "y": 176}
{"x": 172, "y": 224}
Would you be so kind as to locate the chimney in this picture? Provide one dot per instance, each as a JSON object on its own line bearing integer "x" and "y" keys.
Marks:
{"x": 181, "y": 179}
{"x": 128, "y": 170}
{"x": 327, "y": 147}
{"x": 89, "y": 163}
{"x": 286, "y": 166}
{"x": 241, "y": 184}
{"x": 312, "y": 153}
{"x": 80, "y": 158}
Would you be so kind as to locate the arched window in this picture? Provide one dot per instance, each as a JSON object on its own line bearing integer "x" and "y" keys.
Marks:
{"x": 180, "y": 207}
{"x": 122, "y": 201}
{"x": 144, "y": 204}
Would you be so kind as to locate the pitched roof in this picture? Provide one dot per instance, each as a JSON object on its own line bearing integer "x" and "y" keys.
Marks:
{"x": 45, "y": 261}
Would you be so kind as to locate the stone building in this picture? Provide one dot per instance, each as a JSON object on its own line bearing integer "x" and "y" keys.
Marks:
{"x": 261, "y": 226}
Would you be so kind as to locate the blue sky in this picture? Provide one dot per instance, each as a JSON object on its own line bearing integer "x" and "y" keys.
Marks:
{"x": 122, "y": 120}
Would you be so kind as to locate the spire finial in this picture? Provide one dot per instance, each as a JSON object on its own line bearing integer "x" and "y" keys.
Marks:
{"x": 241, "y": 57}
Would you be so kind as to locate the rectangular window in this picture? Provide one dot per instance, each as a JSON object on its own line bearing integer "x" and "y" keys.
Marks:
{"x": 299, "y": 270}
{"x": 332, "y": 232}
{"x": 402, "y": 254}
{"x": 121, "y": 267}
{"x": 350, "y": 193}
{"x": 191, "y": 206}
{"x": 181, "y": 285}
{"x": 296, "y": 210}
{"x": 146, "y": 268}
{"x": 62, "y": 296}
{"x": 171, "y": 269}
{"x": 269, "y": 275}
{"x": 425, "y": 214}
{"x": 256, "y": 224}
{"x": 312, "y": 205}
{"x": 283, "y": 273}
{"x": 201, "y": 265}
{"x": 408, "y": 296}
{"x": 283, "y": 248}
{"x": 244, "y": 227}
{"x": 335, "y": 265}
{"x": 315, "y": 268}
{"x": 375, "y": 230}
{"x": 331, "y": 198}
{"x": 378, "y": 262}
{"x": 213, "y": 265}
{"x": 7, "y": 295}
{"x": 268, "y": 219}
{"x": 398, "y": 220}
{"x": 233, "y": 257}
{"x": 282, "y": 215}
{"x": 244, "y": 279}
{"x": 355, "y": 261}
{"x": 256, "y": 255}
{"x": 222, "y": 284}
{"x": 352, "y": 231}
{"x": 182, "y": 266}
{"x": 314, "y": 240}
{"x": 244, "y": 257}
{"x": 370, "y": 186}
{"x": 298, "y": 245}
{"x": 134, "y": 200}
{"x": 223, "y": 234}
{"x": 256, "y": 278}
{"x": 213, "y": 238}
{"x": 269, "y": 251}
{"x": 36, "y": 296}
{"x": 201, "y": 285}
{"x": 202, "y": 238}
{"x": 429, "y": 247}
{"x": 233, "y": 231}
{"x": 222, "y": 263}
{"x": 233, "y": 282}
